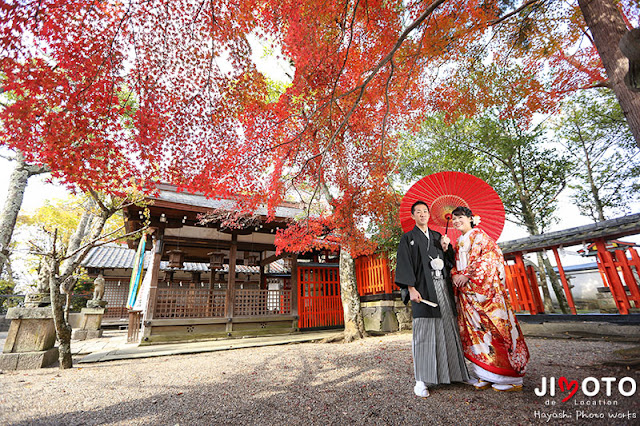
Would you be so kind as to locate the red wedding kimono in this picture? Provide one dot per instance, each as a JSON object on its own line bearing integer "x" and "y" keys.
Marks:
{"x": 490, "y": 334}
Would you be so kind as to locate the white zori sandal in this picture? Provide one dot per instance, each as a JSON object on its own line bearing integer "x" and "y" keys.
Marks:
{"x": 421, "y": 390}
{"x": 479, "y": 384}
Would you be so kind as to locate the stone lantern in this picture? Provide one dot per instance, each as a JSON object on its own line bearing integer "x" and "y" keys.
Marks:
{"x": 216, "y": 259}
{"x": 176, "y": 258}
{"x": 253, "y": 259}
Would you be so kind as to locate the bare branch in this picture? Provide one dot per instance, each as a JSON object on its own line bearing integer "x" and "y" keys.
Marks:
{"x": 515, "y": 12}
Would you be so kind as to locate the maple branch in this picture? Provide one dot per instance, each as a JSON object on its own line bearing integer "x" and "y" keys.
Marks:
{"x": 7, "y": 157}
{"x": 98, "y": 201}
{"x": 360, "y": 89}
{"x": 373, "y": 73}
{"x": 514, "y": 12}
{"x": 346, "y": 56}
{"x": 386, "y": 112}
{"x": 109, "y": 54}
{"x": 84, "y": 250}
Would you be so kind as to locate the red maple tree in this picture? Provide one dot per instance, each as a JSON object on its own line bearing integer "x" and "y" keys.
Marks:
{"x": 118, "y": 94}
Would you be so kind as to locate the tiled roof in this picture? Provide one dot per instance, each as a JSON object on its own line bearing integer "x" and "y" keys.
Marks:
{"x": 168, "y": 193}
{"x": 109, "y": 256}
{"x": 608, "y": 229}
{"x": 119, "y": 257}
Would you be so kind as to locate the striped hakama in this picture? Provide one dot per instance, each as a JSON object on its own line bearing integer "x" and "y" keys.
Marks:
{"x": 437, "y": 350}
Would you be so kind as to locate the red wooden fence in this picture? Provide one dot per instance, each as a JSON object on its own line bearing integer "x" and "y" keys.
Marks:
{"x": 522, "y": 286}
{"x": 319, "y": 303}
{"x": 373, "y": 275}
{"x": 611, "y": 264}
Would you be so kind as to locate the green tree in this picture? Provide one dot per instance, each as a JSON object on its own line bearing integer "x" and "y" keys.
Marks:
{"x": 595, "y": 134}
{"x": 59, "y": 268}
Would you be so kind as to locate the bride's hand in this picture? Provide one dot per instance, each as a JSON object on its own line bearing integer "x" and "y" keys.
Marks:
{"x": 460, "y": 280}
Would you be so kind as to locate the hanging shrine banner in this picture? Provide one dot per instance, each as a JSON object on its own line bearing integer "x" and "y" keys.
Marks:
{"x": 136, "y": 273}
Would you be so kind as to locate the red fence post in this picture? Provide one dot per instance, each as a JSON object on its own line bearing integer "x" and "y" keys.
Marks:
{"x": 535, "y": 291}
{"x": 611, "y": 272}
{"x": 629, "y": 279}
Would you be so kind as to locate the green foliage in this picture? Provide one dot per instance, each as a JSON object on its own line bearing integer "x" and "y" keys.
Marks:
{"x": 7, "y": 289}
{"x": 607, "y": 162}
{"x": 6, "y": 286}
{"x": 275, "y": 89}
{"x": 526, "y": 172}
{"x": 64, "y": 216}
{"x": 441, "y": 146}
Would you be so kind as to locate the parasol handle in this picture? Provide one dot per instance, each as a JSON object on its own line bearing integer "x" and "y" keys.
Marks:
{"x": 448, "y": 216}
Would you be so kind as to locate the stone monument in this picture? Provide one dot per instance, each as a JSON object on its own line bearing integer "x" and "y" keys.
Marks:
{"x": 32, "y": 333}
{"x": 91, "y": 322}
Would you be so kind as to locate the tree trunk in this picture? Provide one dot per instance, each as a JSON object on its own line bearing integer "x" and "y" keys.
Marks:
{"x": 13, "y": 202}
{"x": 548, "y": 305}
{"x": 81, "y": 231}
{"x": 607, "y": 27}
{"x": 63, "y": 278}
{"x": 63, "y": 329}
{"x": 592, "y": 185}
{"x": 555, "y": 284}
{"x": 353, "y": 321}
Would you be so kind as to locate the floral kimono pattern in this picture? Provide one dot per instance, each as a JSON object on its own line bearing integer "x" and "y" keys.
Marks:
{"x": 490, "y": 334}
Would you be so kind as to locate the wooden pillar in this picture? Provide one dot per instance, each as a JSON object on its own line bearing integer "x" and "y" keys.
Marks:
{"x": 156, "y": 252}
{"x": 565, "y": 283}
{"x": 535, "y": 289}
{"x": 522, "y": 282}
{"x": 635, "y": 261}
{"x": 231, "y": 282}
{"x": 295, "y": 293}
{"x": 629, "y": 279}
{"x": 510, "y": 283}
{"x": 615, "y": 284}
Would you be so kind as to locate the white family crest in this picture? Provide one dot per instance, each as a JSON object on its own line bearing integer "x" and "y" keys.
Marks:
{"x": 437, "y": 265}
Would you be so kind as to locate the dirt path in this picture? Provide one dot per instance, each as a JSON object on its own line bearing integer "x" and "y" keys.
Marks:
{"x": 362, "y": 383}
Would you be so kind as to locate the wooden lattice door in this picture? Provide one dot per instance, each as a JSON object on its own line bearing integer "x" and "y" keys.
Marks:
{"x": 319, "y": 291}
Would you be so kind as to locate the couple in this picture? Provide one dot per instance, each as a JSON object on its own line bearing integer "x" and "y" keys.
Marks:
{"x": 487, "y": 332}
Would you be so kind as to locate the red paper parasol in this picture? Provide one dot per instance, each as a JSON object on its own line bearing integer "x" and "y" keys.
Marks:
{"x": 445, "y": 191}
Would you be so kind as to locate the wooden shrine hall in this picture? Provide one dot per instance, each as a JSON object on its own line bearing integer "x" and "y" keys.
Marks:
{"x": 233, "y": 283}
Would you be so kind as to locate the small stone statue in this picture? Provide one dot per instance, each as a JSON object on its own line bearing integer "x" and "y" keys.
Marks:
{"x": 41, "y": 296}
{"x": 98, "y": 294}
{"x": 98, "y": 289}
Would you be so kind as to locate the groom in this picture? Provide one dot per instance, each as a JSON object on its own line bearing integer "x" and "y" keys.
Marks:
{"x": 423, "y": 274}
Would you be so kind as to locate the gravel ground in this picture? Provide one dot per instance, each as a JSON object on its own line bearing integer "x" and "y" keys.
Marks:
{"x": 366, "y": 382}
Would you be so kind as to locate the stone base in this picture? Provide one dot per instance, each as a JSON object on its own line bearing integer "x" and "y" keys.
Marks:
{"x": 607, "y": 305}
{"x": 96, "y": 303}
{"x": 28, "y": 360}
{"x": 85, "y": 334}
{"x": 386, "y": 316}
{"x": 36, "y": 300}
{"x": 91, "y": 318}
{"x": 31, "y": 330}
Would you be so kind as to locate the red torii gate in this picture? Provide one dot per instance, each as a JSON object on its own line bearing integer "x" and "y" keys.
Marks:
{"x": 612, "y": 261}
